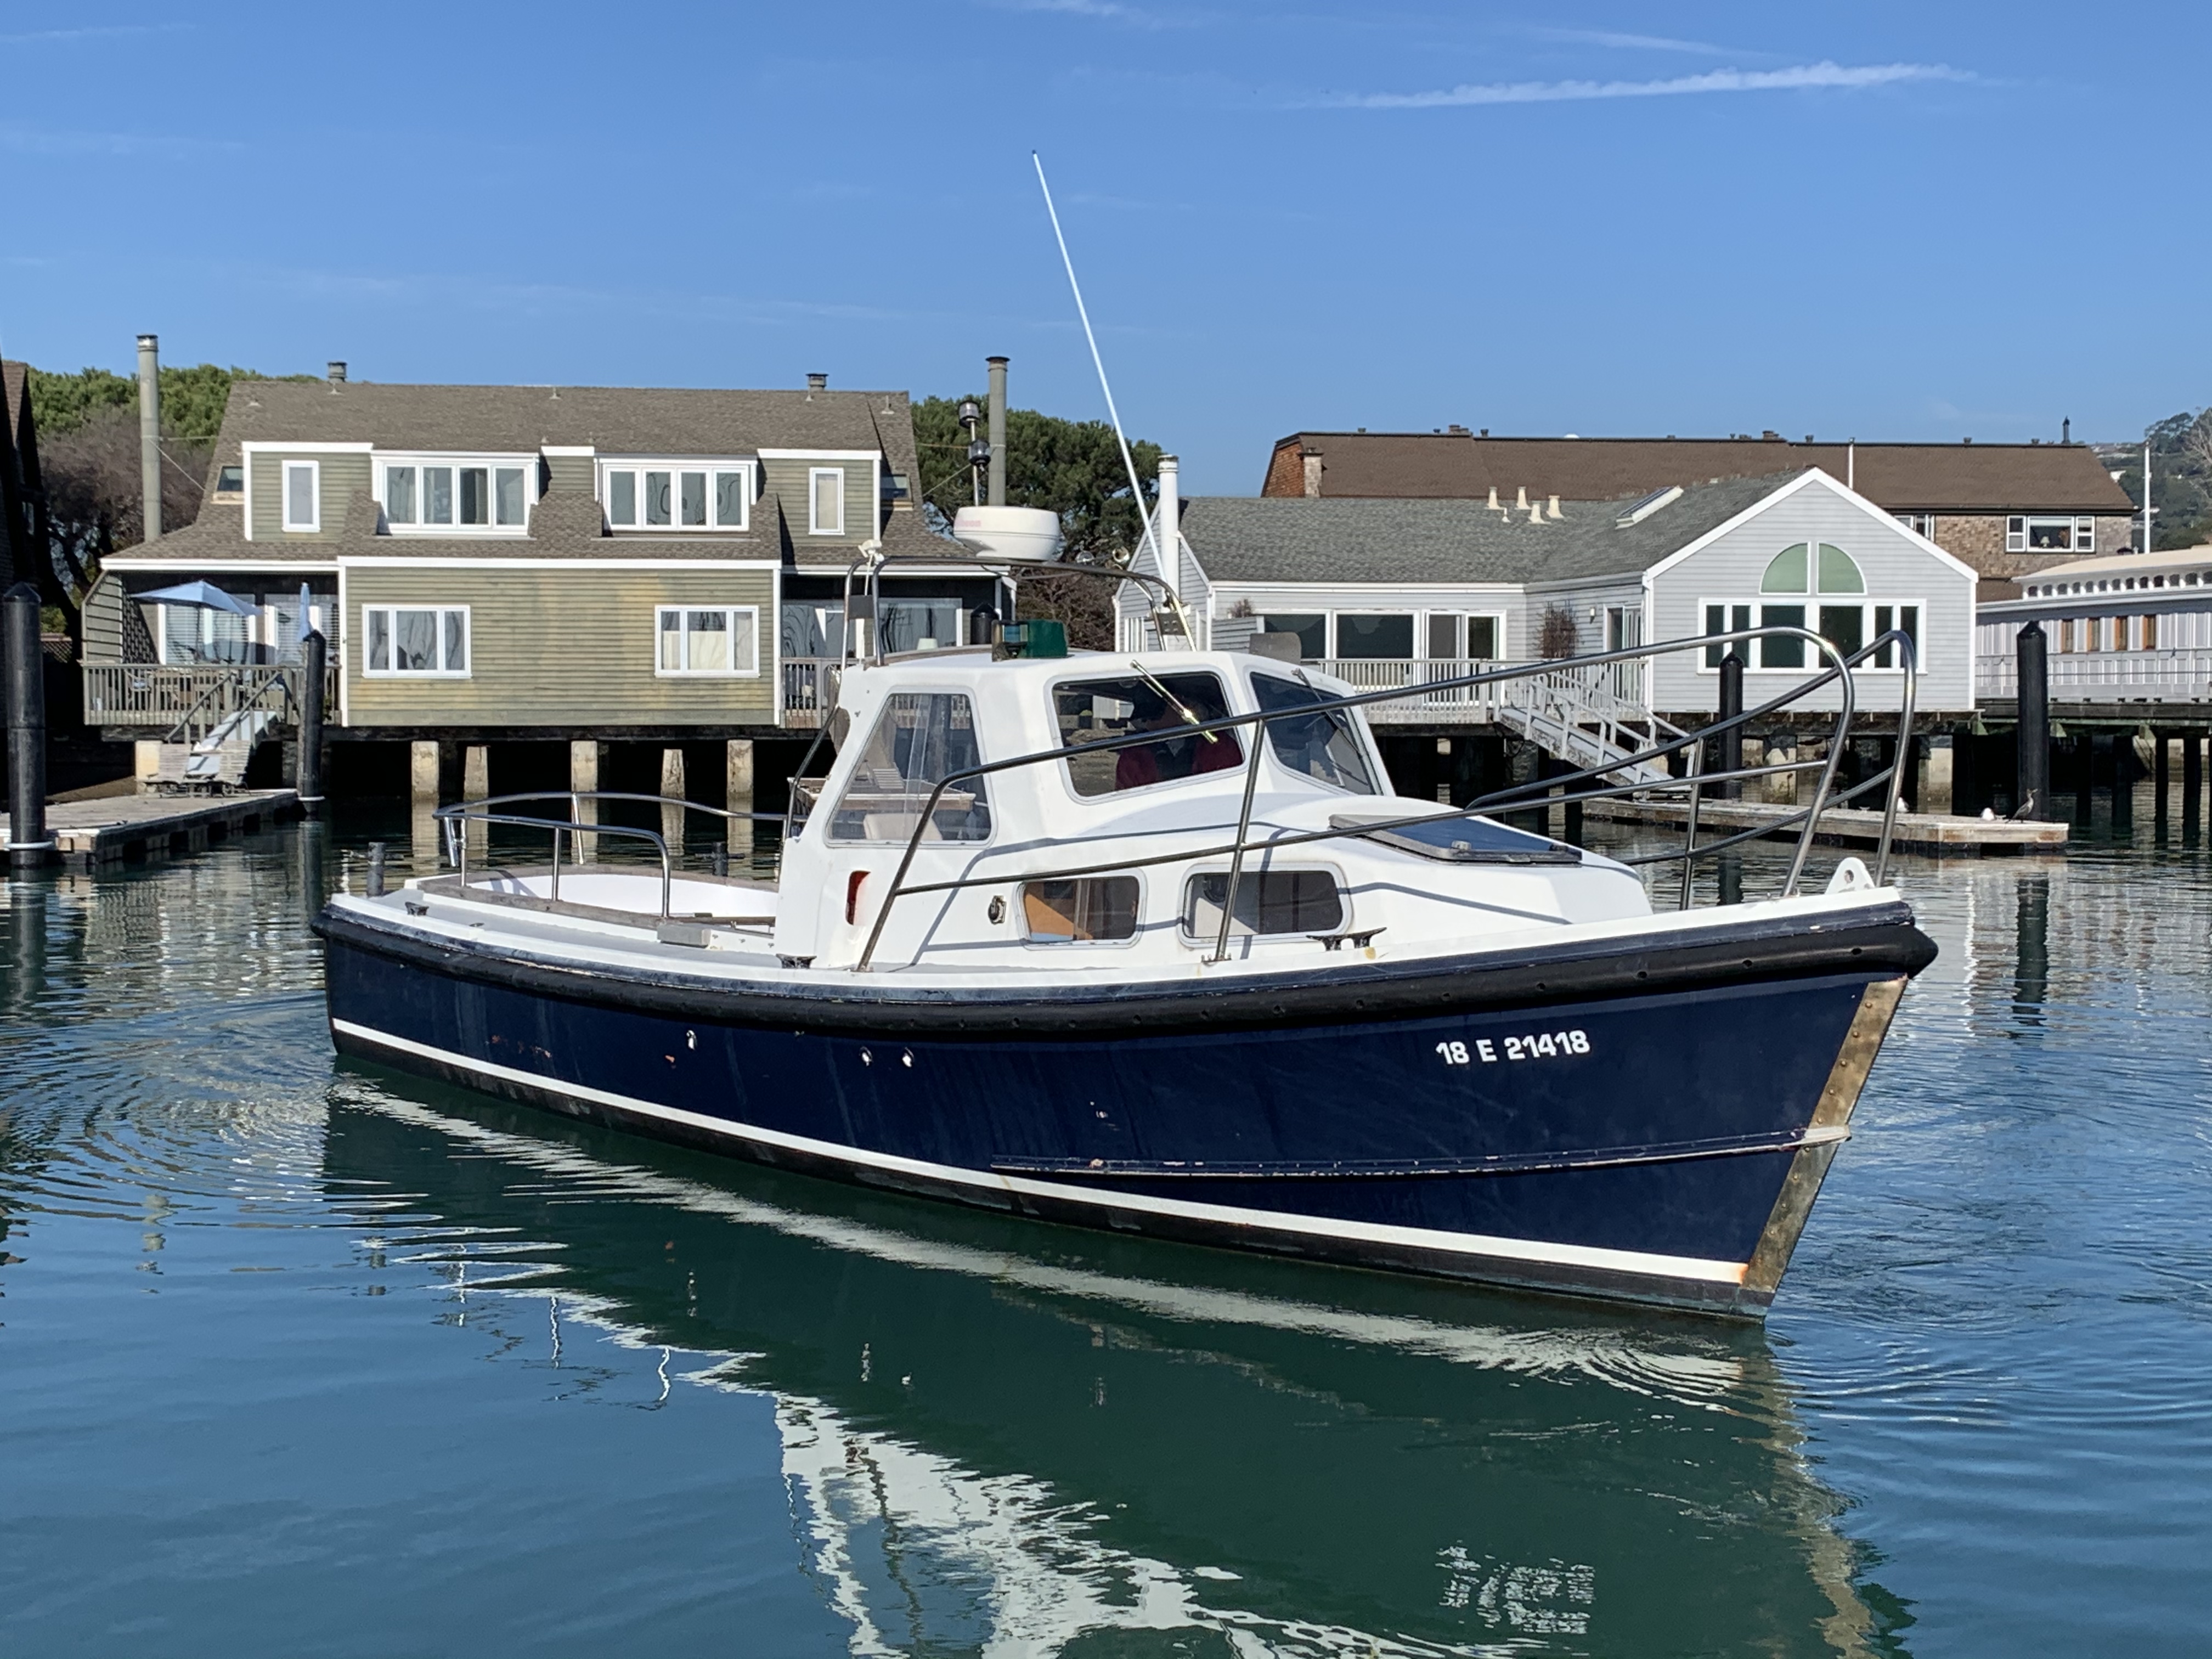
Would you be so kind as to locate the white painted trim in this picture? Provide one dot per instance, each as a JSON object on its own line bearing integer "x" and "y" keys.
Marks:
{"x": 271, "y": 446}
{"x": 347, "y": 667}
{"x": 660, "y": 673}
{"x": 468, "y": 638}
{"x": 814, "y": 498}
{"x": 1637, "y": 1263}
{"x": 293, "y": 527}
{"x": 819, "y": 454}
{"x": 551, "y": 450}
{"x": 257, "y": 567}
{"x": 245, "y": 515}
{"x": 461, "y": 564}
{"x": 1442, "y": 585}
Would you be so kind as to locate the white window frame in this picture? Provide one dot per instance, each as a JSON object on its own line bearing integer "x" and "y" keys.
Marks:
{"x": 1496, "y": 619}
{"x": 1813, "y": 602}
{"x": 314, "y": 472}
{"x": 370, "y": 671}
{"x": 1920, "y": 523}
{"x": 636, "y": 466}
{"x": 2020, "y": 531}
{"x": 1336, "y": 645}
{"x": 730, "y": 612}
{"x": 814, "y": 525}
{"x": 493, "y": 465}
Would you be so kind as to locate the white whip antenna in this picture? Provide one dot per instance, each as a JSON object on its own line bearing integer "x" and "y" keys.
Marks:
{"x": 1136, "y": 489}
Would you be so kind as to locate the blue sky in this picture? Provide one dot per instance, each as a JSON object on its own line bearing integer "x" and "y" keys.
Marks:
{"x": 1875, "y": 220}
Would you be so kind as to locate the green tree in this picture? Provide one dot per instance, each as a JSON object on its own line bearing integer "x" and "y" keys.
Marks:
{"x": 2181, "y": 477}
{"x": 1072, "y": 468}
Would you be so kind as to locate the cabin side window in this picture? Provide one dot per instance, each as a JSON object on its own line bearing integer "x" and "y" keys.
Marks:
{"x": 1324, "y": 745}
{"x": 1080, "y": 910}
{"x": 1267, "y": 902}
{"x": 1170, "y": 705}
{"x": 921, "y": 739}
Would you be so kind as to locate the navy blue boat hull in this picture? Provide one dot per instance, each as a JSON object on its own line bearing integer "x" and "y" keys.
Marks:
{"x": 1661, "y": 1146}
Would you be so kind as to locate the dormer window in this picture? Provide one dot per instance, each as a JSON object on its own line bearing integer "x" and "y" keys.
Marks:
{"x": 825, "y": 501}
{"x": 456, "y": 495}
{"x": 303, "y": 495}
{"x": 230, "y": 484}
{"x": 677, "y": 494}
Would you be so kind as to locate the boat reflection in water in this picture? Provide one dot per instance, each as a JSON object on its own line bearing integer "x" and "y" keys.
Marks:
{"x": 1009, "y": 1438}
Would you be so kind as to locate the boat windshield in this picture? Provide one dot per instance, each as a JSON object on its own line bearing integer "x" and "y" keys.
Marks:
{"x": 921, "y": 739}
{"x": 1324, "y": 744}
{"x": 1090, "y": 711}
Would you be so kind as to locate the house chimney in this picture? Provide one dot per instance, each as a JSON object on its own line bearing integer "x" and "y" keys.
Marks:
{"x": 1769, "y": 436}
{"x": 1555, "y": 512}
{"x": 997, "y": 488}
{"x": 817, "y": 383}
{"x": 149, "y": 430}
{"x": 336, "y": 372}
{"x": 1167, "y": 516}
{"x": 1520, "y": 498}
{"x": 1313, "y": 476}
{"x": 1492, "y": 503}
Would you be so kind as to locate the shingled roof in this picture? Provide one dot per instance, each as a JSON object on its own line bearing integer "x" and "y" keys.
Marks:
{"x": 1238, "y": 538}
{"x": 1966, "y": 477}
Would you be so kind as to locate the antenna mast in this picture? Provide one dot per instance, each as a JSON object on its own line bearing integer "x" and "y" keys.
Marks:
{"x": 1166, "y": 564}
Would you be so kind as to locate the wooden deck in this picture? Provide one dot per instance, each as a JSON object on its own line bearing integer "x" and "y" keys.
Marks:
{"x": 137, "y": 829}
{"x": 1848, "y": 826}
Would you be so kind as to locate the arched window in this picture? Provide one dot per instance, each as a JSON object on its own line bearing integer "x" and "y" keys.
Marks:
{"x": 1786, "y": 573}
{"x": 1840, "y": 572}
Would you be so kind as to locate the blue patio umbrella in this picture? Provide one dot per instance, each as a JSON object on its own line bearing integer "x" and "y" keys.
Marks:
{"x": 205, "y": 595}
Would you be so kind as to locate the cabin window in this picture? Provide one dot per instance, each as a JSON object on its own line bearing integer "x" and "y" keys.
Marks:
{"x": 1092, "y": 711}
{"x": 825, "y": 501}
{"x": 1267, "y": 902}
{"x": 303, "y": 495}
{"x": 675, "y": 494}
{"x": 1367, "y": 637}
{"x": 403, "y": 640}
{"x": 921, "y": 739}
{"x": 1324, "y": 745}
{"x": 1079, "y": 911}
{"x": 721, "y": 640}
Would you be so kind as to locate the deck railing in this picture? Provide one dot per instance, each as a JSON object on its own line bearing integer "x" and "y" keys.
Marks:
{"x": 2177, "y": 675}
{"x": 809, "y": 691}
{"x": 158, "y": 694}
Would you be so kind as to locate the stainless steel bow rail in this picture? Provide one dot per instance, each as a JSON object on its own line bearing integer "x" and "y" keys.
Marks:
{"x": 455, "y": 819}
{"x": 1696, "y": 780}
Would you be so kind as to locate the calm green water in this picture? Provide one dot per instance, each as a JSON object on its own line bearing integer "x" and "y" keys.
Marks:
{"x": 300, "y": 1358}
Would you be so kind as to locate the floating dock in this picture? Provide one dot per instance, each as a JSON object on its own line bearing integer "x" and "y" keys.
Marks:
{"x": 140, "y": 829}
{"x": 1847, "y": 826}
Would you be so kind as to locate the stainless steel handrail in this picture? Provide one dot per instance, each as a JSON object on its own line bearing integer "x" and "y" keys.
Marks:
{"x": 455, "y": 819}
{"x": 1838, "y": 672}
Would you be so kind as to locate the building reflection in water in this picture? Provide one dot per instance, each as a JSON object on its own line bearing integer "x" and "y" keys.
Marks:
{"x": 1002, "y": 1437}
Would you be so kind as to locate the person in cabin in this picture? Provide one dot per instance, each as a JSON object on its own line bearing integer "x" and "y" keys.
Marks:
{"x": 1176, "y": 757}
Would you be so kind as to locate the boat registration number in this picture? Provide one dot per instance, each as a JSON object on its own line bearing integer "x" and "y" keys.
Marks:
{"x": 1541, "y": 1045}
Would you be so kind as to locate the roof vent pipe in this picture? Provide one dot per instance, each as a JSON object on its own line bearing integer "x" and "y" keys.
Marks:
{"x": 817, "y": 382}
{"x": 996, "y": 488}
{"x": 149, "y": 430}
{"x": 1536, "y": 513}
{"x": 1492, "y": 503}
{"x": 1521, "y": 499}
{"x": 1555, "y": 512}
{"x": 335, "y": 373}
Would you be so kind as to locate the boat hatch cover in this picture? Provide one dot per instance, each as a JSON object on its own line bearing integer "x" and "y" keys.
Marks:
{"x": 1466, "y": 841}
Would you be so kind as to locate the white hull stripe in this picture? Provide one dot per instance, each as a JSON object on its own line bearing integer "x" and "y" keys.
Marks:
{"x": 1637, "y": 1263}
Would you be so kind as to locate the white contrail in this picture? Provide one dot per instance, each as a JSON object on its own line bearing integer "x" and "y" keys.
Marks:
{"x": 1558, "y": 92}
